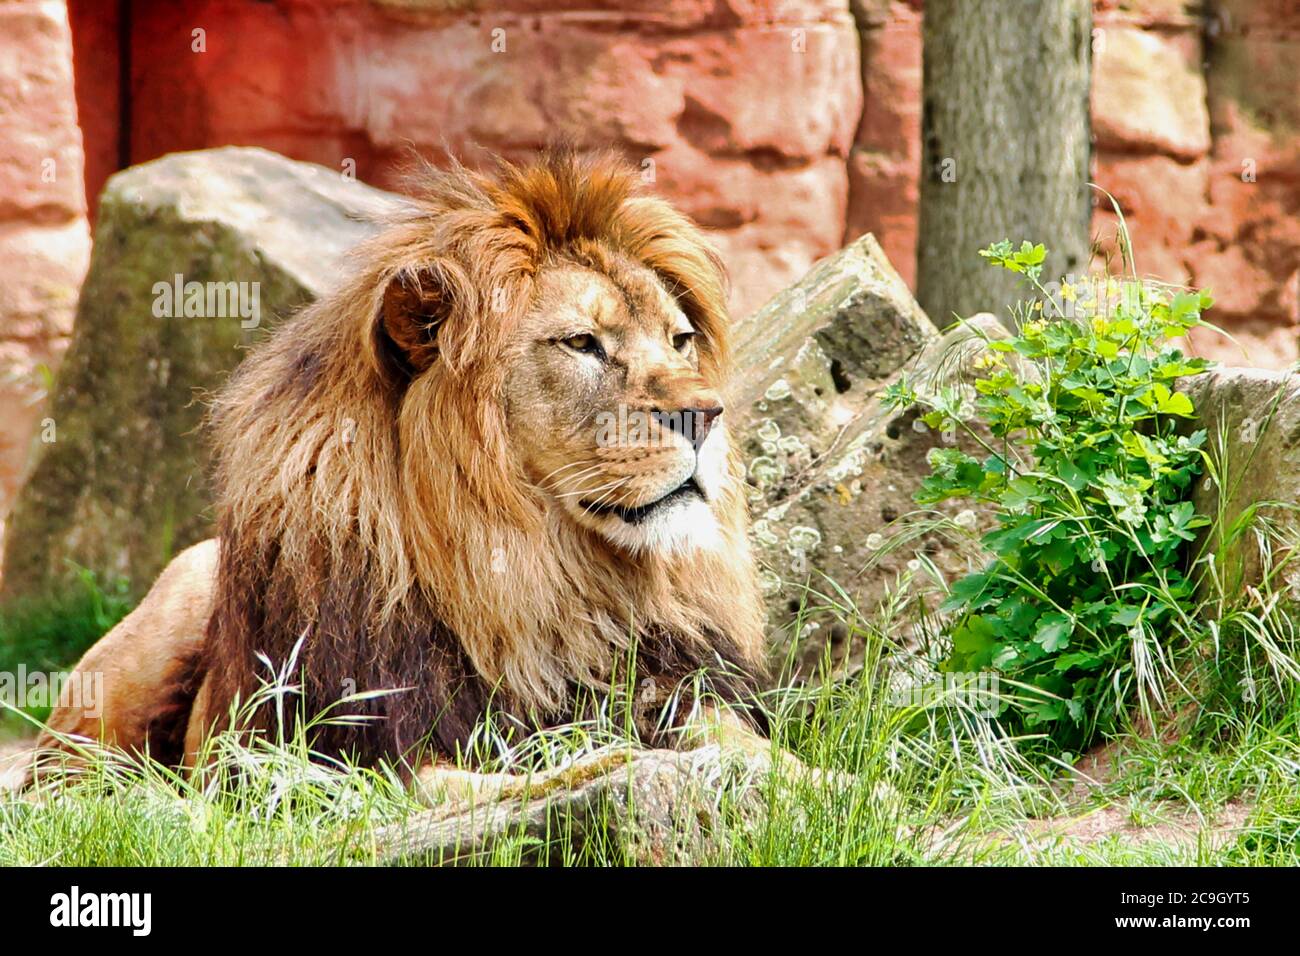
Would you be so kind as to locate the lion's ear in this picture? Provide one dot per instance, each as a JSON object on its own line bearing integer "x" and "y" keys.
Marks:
{"x": 416, "y": 302}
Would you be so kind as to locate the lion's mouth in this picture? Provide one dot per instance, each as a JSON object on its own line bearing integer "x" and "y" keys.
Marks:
{"x": 638, "y": 513}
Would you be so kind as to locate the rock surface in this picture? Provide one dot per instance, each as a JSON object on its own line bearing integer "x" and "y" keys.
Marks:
{"x": 817, "y": 146}
{"x": 1195, "y": 113}
{"x": 1252, "y": 417}
{"x": 44, "y": 240}
{"x": 841, "y": 527}
{"x": 661, "y": 806}
{"x": 1149, "y": 95}
{"x": 120, "y": 485}
{"x": 811, "y": 364}
{"x": 818, "y": 350}
{"x": 884, "y": 191}
{"x": 741, "y": 112}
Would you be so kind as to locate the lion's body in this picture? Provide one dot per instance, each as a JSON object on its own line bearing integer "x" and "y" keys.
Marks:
{"x": 384, "y": 486}
{"x": 148, "y": 664}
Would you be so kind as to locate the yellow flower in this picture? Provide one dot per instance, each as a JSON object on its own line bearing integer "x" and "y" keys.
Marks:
{"x": 1068, "y": 292}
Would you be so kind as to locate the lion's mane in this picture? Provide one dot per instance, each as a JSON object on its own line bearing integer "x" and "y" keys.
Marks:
{"x": 375, "y": 512}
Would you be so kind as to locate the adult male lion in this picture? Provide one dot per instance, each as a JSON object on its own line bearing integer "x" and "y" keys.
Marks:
{"x": 417, "y": 478}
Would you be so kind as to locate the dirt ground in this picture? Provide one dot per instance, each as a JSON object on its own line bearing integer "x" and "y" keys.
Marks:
{"x": 1182, "y": 828}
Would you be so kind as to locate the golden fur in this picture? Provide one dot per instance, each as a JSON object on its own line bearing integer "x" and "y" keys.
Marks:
{"x": 407, "y": 484}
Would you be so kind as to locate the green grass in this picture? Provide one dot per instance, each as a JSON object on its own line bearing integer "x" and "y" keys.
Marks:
{"x": 921, "y": 784}
{"x": 934, "y": 785}
{"x": 912, "y": 801}
{"x": 51, "y": 634}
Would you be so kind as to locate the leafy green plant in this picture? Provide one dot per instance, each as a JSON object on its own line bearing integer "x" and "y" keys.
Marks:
{"x": 1089, "y": 475}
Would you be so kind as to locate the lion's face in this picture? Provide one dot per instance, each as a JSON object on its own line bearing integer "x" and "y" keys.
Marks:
{"x": 609, "y": 410}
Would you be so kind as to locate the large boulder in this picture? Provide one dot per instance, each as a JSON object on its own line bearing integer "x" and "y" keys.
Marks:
{"x": 835, "y": 530}
{"x": 120, "y": 485}
{"x": 812, "y": 357}
{"x": 832, "y": 471}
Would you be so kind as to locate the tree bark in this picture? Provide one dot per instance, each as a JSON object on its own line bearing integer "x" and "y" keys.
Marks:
{"x": 1005, "y": 146}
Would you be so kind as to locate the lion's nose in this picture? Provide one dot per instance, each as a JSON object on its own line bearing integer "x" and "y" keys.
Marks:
{"x": 693, "y": 424}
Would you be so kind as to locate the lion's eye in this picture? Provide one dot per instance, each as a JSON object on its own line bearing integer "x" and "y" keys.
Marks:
{"x": 585, "y": 343}
{"x": 682, "y": 340}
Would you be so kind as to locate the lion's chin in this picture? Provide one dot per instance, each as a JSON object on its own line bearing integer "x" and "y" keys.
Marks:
{"x": 680, "y": 526}
{"x": 682, "y": 520}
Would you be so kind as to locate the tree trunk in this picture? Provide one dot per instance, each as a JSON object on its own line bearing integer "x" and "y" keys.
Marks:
{"x": 1006, "y": 146}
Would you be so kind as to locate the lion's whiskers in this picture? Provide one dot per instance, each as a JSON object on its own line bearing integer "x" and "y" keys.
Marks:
{"x": 585, "y": 462}
{"x": 584, "y": 491}
{"x": 599, "y": 489}
{"x": 613, "y": 489}
{"x": 576, "y": 479}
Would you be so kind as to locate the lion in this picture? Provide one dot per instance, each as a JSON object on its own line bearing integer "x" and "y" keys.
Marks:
{"x": 488, "y": 470}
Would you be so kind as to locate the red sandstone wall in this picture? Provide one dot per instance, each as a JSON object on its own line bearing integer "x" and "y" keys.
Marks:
{"x": 785, "y": 126}
{"x": 746, "y": 110}
{"x": 1197, "y": 121}
{"x": 44, "y": 239}
{"x": 759, "y": 116}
